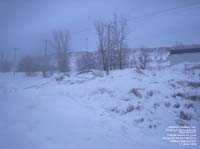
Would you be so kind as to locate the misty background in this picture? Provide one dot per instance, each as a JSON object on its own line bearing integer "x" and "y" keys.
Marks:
{"x": 25, "y": 24}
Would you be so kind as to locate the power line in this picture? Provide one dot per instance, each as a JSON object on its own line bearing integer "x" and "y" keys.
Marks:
{"x": 15, "y": 60}
{"x": 86, "y": 40}
{"x": 141, "y": 18}
{"x": 161, "y": 12}
{"x": 149, "y": 15}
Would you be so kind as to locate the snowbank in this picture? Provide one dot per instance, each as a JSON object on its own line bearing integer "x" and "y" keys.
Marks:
{"x": 128, "y": 109}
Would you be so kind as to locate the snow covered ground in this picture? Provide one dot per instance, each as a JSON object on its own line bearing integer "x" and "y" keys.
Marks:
{"x": 128, "y": 109}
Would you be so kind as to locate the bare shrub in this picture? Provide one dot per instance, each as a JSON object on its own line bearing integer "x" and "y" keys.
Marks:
{"x": 185, "y": 116}
{"x": 136, "y": 93}
{"x": 27, "y": 65}
{"x": 145, "y": 58}
{"x": 60, "y": 43}
{"x": 186, "y": 96}
{"x": 87, "y": 61}
{"x": 141, "y": 58}
{"x": 176, "y": 105}
{"x": 180, "y": 122}
{"x": 130, "y": 108}
{"x": 160, "y": 58}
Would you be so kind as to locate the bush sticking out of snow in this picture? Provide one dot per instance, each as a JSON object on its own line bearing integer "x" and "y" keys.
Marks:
{"x": 140, "y": 120}
{"x": 118, "y": 110}
{"x": 194, "y": 84}
{"x": 125, "y": 99}
{"x": 176, "y": 105}
{"x": 152, "y": 126}
{"x": 150, "y": 93}
{"x": 95, "y": 73}
{"x": 149, "y": 58}
{"x": 125, "y": 110}
{"x": 156, "y": 105}
{"x": 61, "y": 77}
{"x": 185, "y": 116}
{"x": 189, "y": 84}
{"x": 189, "y": 97}
{"x": 136, "y": 93}
{"x": 182, "y": 95}
{"x": 194, "y": 97}
{"x": 180, "y": 122}
{"x": 167, "y": 104}
{"x": 115, "y": 109}
{"x": 139, "y": 71}
{"x": 130, "y": 108}
{"x": 189, "y": 105}
{"x": 103, "y": 91}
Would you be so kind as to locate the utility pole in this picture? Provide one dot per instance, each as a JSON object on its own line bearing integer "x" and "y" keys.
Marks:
{"x": 108, "y": 50}
{"x": 15, "y": 59}
{"x": 86, "y": 40}
{"x": 45, "y": 48}
{"x": 45, "y": 59}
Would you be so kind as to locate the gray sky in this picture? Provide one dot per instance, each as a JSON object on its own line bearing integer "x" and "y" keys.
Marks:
{"x": 25, "y": 24}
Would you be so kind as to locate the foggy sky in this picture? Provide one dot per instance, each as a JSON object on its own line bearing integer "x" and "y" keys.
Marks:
{"x": 25, "y": 24}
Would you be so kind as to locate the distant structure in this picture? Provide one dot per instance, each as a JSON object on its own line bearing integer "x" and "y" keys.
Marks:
{"x": 189, "y": 53}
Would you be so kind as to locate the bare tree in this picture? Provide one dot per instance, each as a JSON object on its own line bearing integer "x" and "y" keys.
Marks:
{"x": 1, "y": 60}
{"x": 101, "y": 34}
{"x": 160, "y": 56}
{"x": 144, "y": 58}
{"x": 60, "y": 42}
{"x": 14, "y": 62}
{"x": 27, "y": 65}
{"x": 112, "y": 42}
{"x": 105, "y": 41}
{"x": 120, "y": 29}
{"x": 109, "y": 48}
{"x": 5, "y": 64}
{"x": 45, "y": 60}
